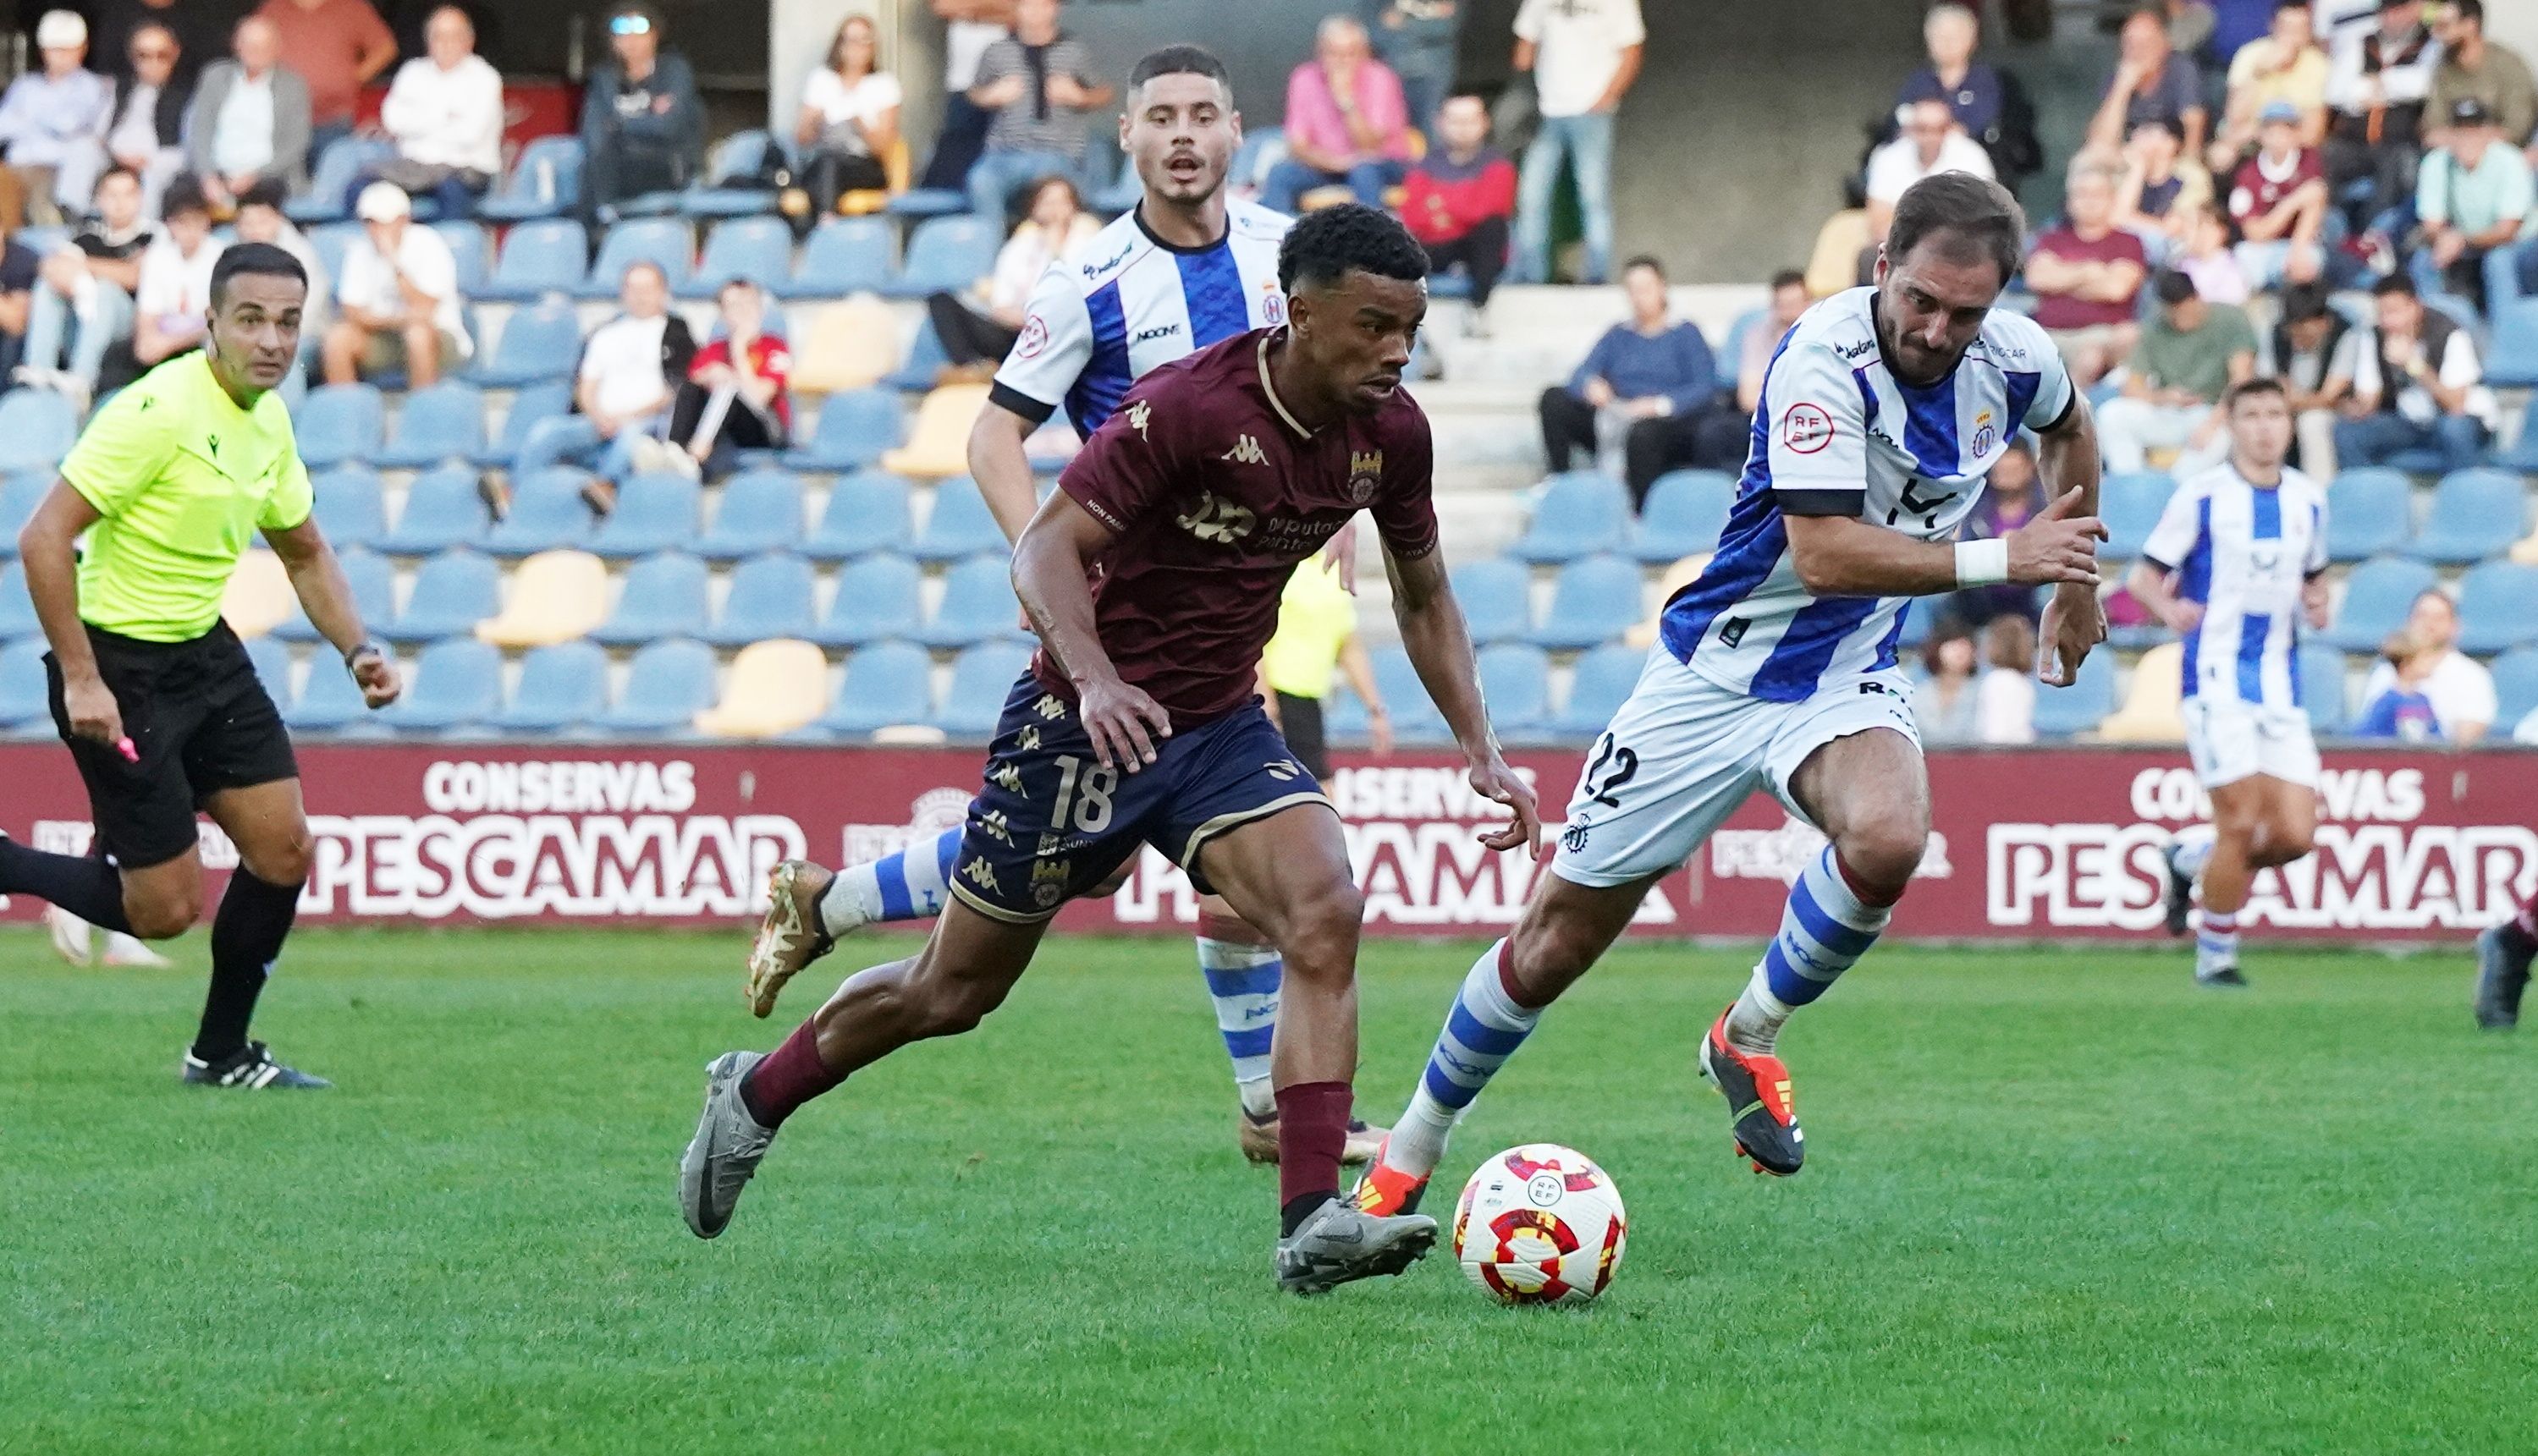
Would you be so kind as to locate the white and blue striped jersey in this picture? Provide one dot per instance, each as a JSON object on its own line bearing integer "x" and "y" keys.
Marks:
{"x": 1126, "y": 301}
{"x": 2244, "y": 552}
{"x": 1836, "y": 433}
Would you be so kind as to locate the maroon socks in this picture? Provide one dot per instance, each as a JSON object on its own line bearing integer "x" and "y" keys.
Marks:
{"x": 789, "y": 1077}
{"x": 1313, "y": 1133}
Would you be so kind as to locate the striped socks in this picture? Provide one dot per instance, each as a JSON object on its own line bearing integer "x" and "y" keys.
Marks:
{"x": 1482, "y": 1028}
{"x": 907, "y": 884}
{"x": 2216, "y": 943}
{"x": 1826, "y": 929}
{"x": 1242, "y": 975}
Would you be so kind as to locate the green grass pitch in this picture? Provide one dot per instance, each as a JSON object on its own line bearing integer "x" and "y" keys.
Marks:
{"x": 2055, "y": 1201}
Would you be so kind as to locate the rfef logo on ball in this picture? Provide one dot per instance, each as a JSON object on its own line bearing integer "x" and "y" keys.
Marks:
{"x": 1806, "y": 429}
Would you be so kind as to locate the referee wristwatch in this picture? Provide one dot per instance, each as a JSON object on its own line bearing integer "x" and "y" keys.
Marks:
{"x": 354, "y": 654}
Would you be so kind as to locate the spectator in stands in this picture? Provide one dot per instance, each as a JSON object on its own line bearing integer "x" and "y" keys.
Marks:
{"x": 2416, "y": 385}
{"x": 2151, "y": 82}
{"x": 260, "y": 220}
{"x": 735, "y": 396}
{"x": 174, "y": 297}
{"x": 2284, "y": 67}
{"x": 51, "y": 120}
{"x": 642, "y": 123}
{"x": 969, "y": 27}
{"x": 444, "y": 113}
{"x": 1346, "y": 125}
{"x": 1971, "y": 89}
{"x": 112, "y": 24}
{"x": 1929, "y": 144}
{"x": 337, "y": 47}
{"x": 1944, "y": 701}
{"x": 849, "y": 117}
{"x": 1644, "y": 393}
{"x": 2472, "y": 197}
{"x": 2086, "y": 276}
{"x": 1055, "y": 223}
{"x": 82, "y": 303}
{"x": 2311, "y": 352}
{"x": 2403, "y": 710}
{"x": 1041, "y": 84}
{"x": 145, "y": 129}
{"x": 1460, "y": 199}
{"x": 2209, "y": 260}
{"x": 2279, "y": 201}
{"x": 2010, "y": 494}
{"x": 397, "y": 303}
{"x": 1583, "y": 56}
{"x": 2005, "y": 695}
{"x": 2163, "y": 193}
{"x": 2187, "y": 357}
{"x": 2376, "y": 83}
{"x": 630, "y": 371}
{"x": 249, "y": 118}
{"x": 1417, "y": 40}
{"x": 2474, "y": 68}
{"x": 1789, "y": 299}
{"x": 2460, "y": 688}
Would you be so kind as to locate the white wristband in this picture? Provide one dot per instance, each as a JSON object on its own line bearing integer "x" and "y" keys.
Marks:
{"x": 1983, "y": 562}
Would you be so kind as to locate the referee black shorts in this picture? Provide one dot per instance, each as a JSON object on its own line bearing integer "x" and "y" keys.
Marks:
{"x": 199, "y": 719}
{"x": 1300, "y": 720}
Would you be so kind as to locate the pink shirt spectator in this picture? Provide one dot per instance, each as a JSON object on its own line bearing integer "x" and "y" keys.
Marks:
{"x": 1314, "y": 113}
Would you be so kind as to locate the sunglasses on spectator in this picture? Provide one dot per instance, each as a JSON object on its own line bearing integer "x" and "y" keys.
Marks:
{"x": 629, "y": 25}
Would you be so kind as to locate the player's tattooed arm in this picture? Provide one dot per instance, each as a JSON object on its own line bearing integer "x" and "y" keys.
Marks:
{"x": 324, "y": 593}
{"x": 1052, "y": 575}
{"x": 1440, "y": 645}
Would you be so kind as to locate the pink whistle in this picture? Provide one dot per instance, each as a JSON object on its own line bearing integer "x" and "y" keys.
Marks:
{"x": 124, "y": 746}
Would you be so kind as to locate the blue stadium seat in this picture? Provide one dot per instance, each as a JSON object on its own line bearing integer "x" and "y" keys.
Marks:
{"x": 2498, "y": 608}
{"x": 20, "y": 494}
{"x": 563, "y": 685}
{"x": 977, "y": 605}
{"x": 981, "y": 679}
{"x": 1516, "y": 679}
{"x": 345, "y": 159}
{"x": 443, "y": 509}
{"x": 1684, "y": 513}
{"x": 1580, "y": 513}
{"x": 24, "y": 702}
{"x": 1594, "y": 600}
{"x": 759, "y": 511}
{"x": 655, "y": 512}
{"x": 546, "y": 180}
{"x": 2377, "y": 595}
{"x": 947, "y": 255}
{"x": 1601, "y": 682}
{"x": 854, "y": 429}
{"x": 2515, "y": 689}
{"x": 350, "y": 505}
{"x": 2321, "y": 688}
{"x": 329, "y": 701}
{"x": 443, "y": 423}
{"x": 456, "y": 681}
{"x": 37, "y": 428}
{"x": 923, "y": 367}
{"x": 537, "y": 344}
{"x": 663, "y": 241}
{"x": 729, "y": 187}
{"x": 2475, "y": 514}
{"x": 770, "y": 596}
{"x": 2061, "y": 713}
{"x": 2368, "y": 511}
{"x": 272, "y": 663}
{"x": 2130, "y": 505}
{"x": 664, "y": 596}
{"x": 887, "y": 683}
{"x": 373, "y": 582}
{"x": 17, "y": 609}
{"x": 472, "y": 249}
{"x": 528, "y": 407}
{"x": 876, "y": 598}
{"x": 2512, "y": 362}
{"x": 340, "y": 422}
{"x": 843, "y": 255}
{"x": 866, "y": 513}
{"x": 928, "y": 202}
{"x": 961, "y": 524}
{"x": 667, "y": 684}
{"x": 1415, "y": 719}
{"x": 758, "y": 249}
{"x": 548, "y": 513}
{"x": 1496, "y": 595}
{"x": 2523, "y": 456}
{"x": 330, "y": 242}
{"x": 547, "y": 256}
{"x": 452, "y": 592}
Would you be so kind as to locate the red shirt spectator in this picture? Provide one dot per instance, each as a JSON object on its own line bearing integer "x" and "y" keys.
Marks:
{"x": 1445, "y": 199}
{"x": 2263, "y": 182}
{"x": 768, "y": 359}
{"x": 337, "y": 47}
{"x": 2114, "y": 245}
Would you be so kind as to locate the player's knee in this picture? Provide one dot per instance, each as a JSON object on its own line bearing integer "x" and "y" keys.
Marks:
{"x": 1322, "y": 930}
{"x": 2284, "y": 843}
{"x": 165, "y": 916}
{"x": 1883, "y": 855}
{"x": 287, "y": 861}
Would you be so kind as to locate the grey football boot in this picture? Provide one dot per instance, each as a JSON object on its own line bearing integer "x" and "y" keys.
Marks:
{"x": 726, "y": 1148}
{"x": 1338, "y": 1244}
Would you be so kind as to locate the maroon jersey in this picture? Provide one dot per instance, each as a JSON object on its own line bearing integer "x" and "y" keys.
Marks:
{"x": 2262, "y": 186}
{"x": 1213, "y": 493}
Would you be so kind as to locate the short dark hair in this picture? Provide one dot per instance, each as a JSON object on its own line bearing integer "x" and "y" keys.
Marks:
{"x": 2165, "y": 124}
{"x": 1788, "y": 277}
{"x": 2174, "y": 288}
{"x": 2250, "y": 389}
{"x": 1643, "y": 261}
{"x": 2394, "y": 283}
{"x": 260, "y": 258}
{"x": 1326, "y": 245}
{"x": 118, "y": 170}
{"x": 2301, "y": 6}
{"x": 2469, "y": 9}
{"x": 2302, "y": 301}
{"x": 1979, "y": 213}
{"x": 183, "y": 194}
{"x": 267, "y": 192}
{"x": 1180, "y": 60}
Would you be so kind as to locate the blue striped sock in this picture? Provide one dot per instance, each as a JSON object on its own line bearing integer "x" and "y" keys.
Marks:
{"x": 2216, "y": 943}
{"x": 1824, "y": 931}
{"x": 1482, "y": 1028}
{"x": 907, "y": 884}
{"x": 1242, "y": 980}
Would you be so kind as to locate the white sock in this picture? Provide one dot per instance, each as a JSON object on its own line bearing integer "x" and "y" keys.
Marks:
{"x": 2216, "y": 943}
{"x": 908, "y": 884}
{"x": 2191, "y": 849}
{"x": 1754, "y": 1023}
{"x": 1242, "y": 980}
{"x": 1482, "y": 1028}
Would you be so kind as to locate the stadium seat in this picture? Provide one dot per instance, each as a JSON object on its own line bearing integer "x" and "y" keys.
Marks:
{"x": 758, "y": 249}
{"x": 443, "y": 423}
{"x": 938, "y": 439}
{"x": 1683, "y": 516}
{"x": 887, "y": 685}
{"x": 562, "y": 686}
{"x": 1594, "y": 600}
{"x": 855, "y": 429}
{"x": 981, "y": 680}
{"x": 2498, "y": 608}
{"x": 2524, "y": 456}
{"x": 775, "y": 688}
{"x": 373, "y": 580}
{"x": 977, "y": 605}
{"x": 2515, "y": 689}
{"x": 330, "y": 180}
{"x": 658, "y": 511}
{"x": 770, "y": 596}
{"x": 17, "y": 609}
{"x": 547, "y": 513}
{"x": 547, "y": 256}
{"x": 667, "y": 684}
{"x": 350, "y": 504}
{"x": 2321, "y": 688}
{"x": 272, "y": 663}
{"x": 876, "y": 598}
{"x": 37, "y": 430}
{"x": 2151, "y": 710}
{"x": 730, "y": 187}
{"x": 843, "y": 256}
{"x": 947, "y": 254}
{"x": 453, "y": 592}
{"x": 535, "y": 403}
{"x": 664, "y": 242}
{"x": 924, "y": 364}
{"x": 471, "y": 247}
{"x": 537, "y": 344}
{"x": 1601, "y": 682}
{"x": 25, "y": 703}
{"x": 2066, "y": 713}
{"x": 2475, "y": 514}
{"x": 928, "y": 202}
{"x": 757, "y": 511}
{"x": 664, "y": 596}
{"x": 20, "y": 494}
{"x": 546, "y": 180}
{"x": 443, "y": 509}
{"x": 2377, "y": 594}
{"x": 1415, "y": 719}
{"x": 259, "y": 596}
{"x": 2130, "y": 505}
{"x": 2368, "y": 511}
{"x": 2514, "y": 362}
{"x": 960, "y": 525}
{"x": 328, "y": 702}
{"x": 330, "y": 242}
{"x": 1580, "y": 514}
{"x": 556, "y": 596}
{"x": 340, "y": 422}
{"x": 849, "y": 345}
{"x": 866, "y": 513}
{"x": 456, "y": 681}
{"x": 1516, "y": 679}
{"x": 1497, "y": 596}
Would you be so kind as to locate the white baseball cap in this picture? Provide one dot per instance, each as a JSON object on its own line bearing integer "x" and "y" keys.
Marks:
{"x": 61, "y": 30}
{"x": 383, "y": 202}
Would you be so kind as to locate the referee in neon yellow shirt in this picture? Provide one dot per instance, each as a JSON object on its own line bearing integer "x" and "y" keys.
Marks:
{"x": 151, "y": 689}
{"x": 1316, "y": 637}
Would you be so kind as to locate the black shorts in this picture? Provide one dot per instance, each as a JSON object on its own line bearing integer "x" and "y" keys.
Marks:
{"x": 201, "y": 722}
{"x": 1299, "y": 719}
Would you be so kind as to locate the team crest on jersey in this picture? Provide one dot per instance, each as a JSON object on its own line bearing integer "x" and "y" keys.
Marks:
{"x": 1804, "y": 428}
{"x": 1246, "y": 452}
{"x": 1034, "y": 338}
{"x": 1985, "y": 435}
{"x": 1138, "y": 414}
{"x": 1365, "y": 474}
{"x": 1048, "y": 882}
{"x": 1273, "y": 304}
{"x": 1218, "y": 521}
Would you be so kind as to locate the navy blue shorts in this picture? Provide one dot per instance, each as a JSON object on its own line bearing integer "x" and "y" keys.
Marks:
{"x": 1050, "y": 822}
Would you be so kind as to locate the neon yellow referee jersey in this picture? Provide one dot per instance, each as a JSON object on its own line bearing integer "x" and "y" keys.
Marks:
{"x": 1316, "y": 617}
{"x": 183, "y": 479}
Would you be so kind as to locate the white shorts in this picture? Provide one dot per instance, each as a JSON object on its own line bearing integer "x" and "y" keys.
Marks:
{"x": 1684, "y": 753}
{"x": 2230, "y": 740}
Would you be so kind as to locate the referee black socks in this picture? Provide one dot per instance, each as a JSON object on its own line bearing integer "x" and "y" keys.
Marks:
{"x": 90, "y": 889}
{"x": 246, "y": 939}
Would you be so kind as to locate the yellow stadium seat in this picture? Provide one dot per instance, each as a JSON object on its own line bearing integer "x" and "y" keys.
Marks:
{"x": 775, "y": 687}
{"x": 2525, "y": 550}
{"x": 938, "y": 444}
{"x": 849, "y": 345}
{"x": 259, "y": 596}
{"x": 895, "y": 166}
{"x": 1835, "y": 263}
{"x": 556, "y": 596}
{"x": 2151, "y": 712}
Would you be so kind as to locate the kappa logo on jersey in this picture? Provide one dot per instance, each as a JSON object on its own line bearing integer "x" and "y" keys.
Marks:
{"x": 1246, "y": 452}
{"x": 1029, "y": 739}
{"x": 1366, "y": 473}
{"x": 1219, "y": 521}
{"x": 1804, "y": 428}
{"x": 996, "y": 827}
{"x": 982, "y": 874}
{"x": 1050, "y": 706}
{"x": 1284, "y": 769}
{"x": 1034, "y": 338}
{"x": 1138, "y": 414}
{"x": 1009, "y": 778}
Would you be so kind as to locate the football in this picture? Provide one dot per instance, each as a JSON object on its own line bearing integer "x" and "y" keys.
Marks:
{"x": 1540, "y": 1224}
